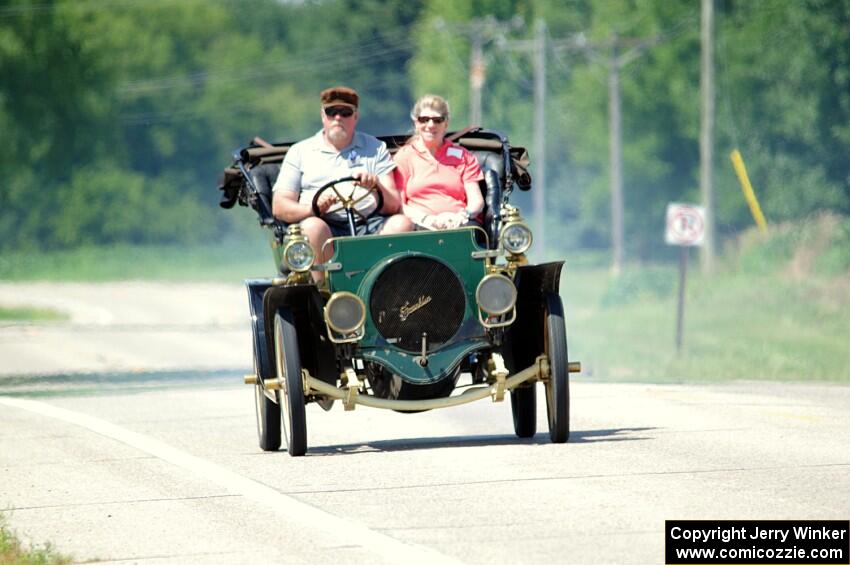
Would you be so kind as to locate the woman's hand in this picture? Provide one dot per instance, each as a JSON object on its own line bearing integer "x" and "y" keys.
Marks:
{"x": 450, "y": 220}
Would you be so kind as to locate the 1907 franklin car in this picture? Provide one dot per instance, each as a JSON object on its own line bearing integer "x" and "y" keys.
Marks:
{"x": 398, "y": 318}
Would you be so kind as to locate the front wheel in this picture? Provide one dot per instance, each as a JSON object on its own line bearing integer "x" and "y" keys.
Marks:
{"x": 558, "y": 385}
{"x": 524, "y": 409}
{"x": 293, "y": 414}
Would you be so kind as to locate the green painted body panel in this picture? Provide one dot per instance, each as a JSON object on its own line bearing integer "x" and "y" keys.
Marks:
{"x": 364, "y": 258}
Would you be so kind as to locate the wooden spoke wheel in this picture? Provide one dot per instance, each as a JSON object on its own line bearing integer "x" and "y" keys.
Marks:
{"x": 558, "y": 385}
{"x": 292, "y": 409}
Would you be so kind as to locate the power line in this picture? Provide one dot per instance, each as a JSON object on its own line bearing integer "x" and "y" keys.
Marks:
{"x": 615, "y": 53}
{"x": 375, "y": 48}
{"x": 480, "y": 32}
{"x": 251, "y": 105}
{"x": 91, "y": 6}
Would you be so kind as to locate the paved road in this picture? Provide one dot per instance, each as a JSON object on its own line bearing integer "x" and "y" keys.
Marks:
{"x": 163, "y": 468}
{"x": 127, "y": 327}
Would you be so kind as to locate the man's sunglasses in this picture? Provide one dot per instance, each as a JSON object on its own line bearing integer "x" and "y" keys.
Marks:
{"x": 342, "y": 111}
{"x": 426, "y": 119}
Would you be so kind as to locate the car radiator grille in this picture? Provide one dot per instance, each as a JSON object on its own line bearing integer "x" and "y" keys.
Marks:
{"x": 417, "y": 295}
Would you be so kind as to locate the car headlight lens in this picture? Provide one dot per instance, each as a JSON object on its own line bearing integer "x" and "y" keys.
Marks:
{"x": 516, "y": 238}
{"x": 496, "y": 294}
{"x": 345, "y": 312}
{"x": 299, "y": 256}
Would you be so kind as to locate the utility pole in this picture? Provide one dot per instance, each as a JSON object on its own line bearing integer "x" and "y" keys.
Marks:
{"x": 480, "y": 32}
{"x": 539, "y": 194}
{"x": 706, "y": 136}
{"x": 615, "y": 62}
{"x": 615, "y": 147}
{"x": 537, "y": 48}
{"x": 477, "y": 76}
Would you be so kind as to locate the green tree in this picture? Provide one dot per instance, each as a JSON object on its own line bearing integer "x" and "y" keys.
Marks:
{"x": 120, "y": 116}
{"x": 779, "y": 66}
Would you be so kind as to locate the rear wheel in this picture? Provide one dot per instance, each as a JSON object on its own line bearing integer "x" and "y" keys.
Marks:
{"x": 558, "y": 385}
{"x": 524, "y": 408}
{"x": 292, "y": 408}
{"x": 268, "y": 420}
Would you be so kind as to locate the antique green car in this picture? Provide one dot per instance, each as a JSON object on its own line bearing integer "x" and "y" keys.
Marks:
{"x": 399, "y": 319}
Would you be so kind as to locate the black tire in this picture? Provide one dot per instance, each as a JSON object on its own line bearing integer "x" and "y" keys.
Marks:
{"x": 268, "y": 420}
{"x": 524, "y": 409}
{"x": 288, "y": 363}
{"x": 558, "y": 385}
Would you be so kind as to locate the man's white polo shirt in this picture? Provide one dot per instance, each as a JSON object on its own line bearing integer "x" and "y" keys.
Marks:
{"x": 312, "y": 163}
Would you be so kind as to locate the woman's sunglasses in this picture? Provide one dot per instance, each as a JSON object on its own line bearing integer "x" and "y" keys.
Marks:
{"x": 426, "y": 119}
{"x": 342, "y": 111}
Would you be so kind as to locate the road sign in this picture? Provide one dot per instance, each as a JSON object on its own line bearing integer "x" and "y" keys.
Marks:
{"x": 685, "y": 228}
{"x": 685, "y": 224}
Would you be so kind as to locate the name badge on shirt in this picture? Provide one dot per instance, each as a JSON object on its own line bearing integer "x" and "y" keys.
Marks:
{"x": 454, "y": 152}
{"x": 352, "y": 159}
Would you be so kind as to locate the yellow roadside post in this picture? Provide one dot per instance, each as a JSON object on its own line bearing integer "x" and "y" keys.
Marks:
{"x": 749, "y": 194}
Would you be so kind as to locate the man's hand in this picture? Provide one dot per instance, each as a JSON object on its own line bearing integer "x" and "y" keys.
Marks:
{"x": 326, "y": 200}
{"x": 366, "y": 180}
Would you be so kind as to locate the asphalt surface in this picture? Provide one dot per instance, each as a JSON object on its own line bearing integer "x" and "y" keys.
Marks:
{"x": 150, "y": 456}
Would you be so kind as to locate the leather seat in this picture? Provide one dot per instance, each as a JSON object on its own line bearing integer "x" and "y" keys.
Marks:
{"x": 264, "y": 176}
{"x": 493, "y": 167}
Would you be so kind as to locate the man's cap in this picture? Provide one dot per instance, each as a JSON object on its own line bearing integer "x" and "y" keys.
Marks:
{"x": 339, "y": 96}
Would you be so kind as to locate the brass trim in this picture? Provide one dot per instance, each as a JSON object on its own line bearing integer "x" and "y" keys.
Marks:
{"x": 337, "y": 296}
{"x": 288, "y": 246}
{"x": 543, "y": 368}
{"x": 504, "y": 229}
{"x": 328, "y": 267}
{"x": 272, "y": 384}
{"x": 510, "y": 213}
{"x": 345, "y": 336}
{"x": 469, "y": 395}
{"x": 499, "y": 373}
{"x": 352, "y": 338}
{"x": 407, "y": 309}
{"x": 298, "y": 278}
{"x": 500, "y": 322}
{"x": 488, "y": 254}
{"x": 492, "y": 276}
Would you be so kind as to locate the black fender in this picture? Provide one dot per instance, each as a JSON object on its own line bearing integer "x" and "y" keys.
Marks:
{"x": 263, "y": 361}
{"x": 524, "y": 339}
{"x": 316, "y": 351}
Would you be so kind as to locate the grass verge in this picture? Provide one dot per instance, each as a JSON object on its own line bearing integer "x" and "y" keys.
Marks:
{"x": 735, "y": 327}
{"x": 233, "y": 261}
{"x": 29, "y": 314}
{"x": 13, "y": 552}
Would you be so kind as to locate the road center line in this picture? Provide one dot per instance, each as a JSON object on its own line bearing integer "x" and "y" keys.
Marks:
{"x": 340, "y": 530}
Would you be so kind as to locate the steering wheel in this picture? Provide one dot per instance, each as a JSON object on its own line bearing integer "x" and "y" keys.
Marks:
{"x": 347, "y": 203}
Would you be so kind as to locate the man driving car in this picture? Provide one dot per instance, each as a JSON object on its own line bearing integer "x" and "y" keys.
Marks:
{"x": 335, "y": 152}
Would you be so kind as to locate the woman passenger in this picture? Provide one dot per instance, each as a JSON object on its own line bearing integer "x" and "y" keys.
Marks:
{"x": 437, "y": 179}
